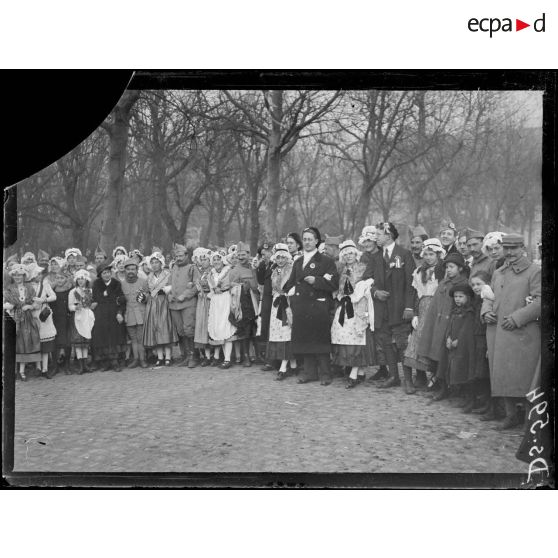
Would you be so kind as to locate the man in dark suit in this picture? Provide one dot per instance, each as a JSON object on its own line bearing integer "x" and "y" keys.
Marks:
{"x": 399, "y": 296}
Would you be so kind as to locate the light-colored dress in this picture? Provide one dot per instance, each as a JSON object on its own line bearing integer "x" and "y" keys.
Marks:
{"x": 279, "y": 344}
{"x": 425, "y": 292}
{"x": 353, "y": 319}
{"x": 219, "y": 326}
{"x": 83, "y": 318}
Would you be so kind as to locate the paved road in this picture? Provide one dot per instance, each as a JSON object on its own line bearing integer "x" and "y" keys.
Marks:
{"x": 240, "y": 420}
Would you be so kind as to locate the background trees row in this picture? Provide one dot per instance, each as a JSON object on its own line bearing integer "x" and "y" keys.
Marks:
{"x": 213, "y": 167}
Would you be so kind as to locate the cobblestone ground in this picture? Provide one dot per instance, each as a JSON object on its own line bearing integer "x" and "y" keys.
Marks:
{"x": 240, "y": 420}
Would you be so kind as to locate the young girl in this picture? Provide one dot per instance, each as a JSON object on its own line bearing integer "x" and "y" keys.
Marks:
{"x": 480, "y": 282}
{"x": 79, "y": 303}
{"x": 18, "y": 302}
{"x": 279, "y": 343}
{"x": 47, "y": 330}
{"x": 425, "y": 282}
{"x": 159, "y": 332}
{"x": 202, "y": 256}
{"x": 352, "y": 317}
{"x": 118, "y": 267}
{"x": 457, "y": 362}
{"x": 432, "y": 341}
{"x": 219, "y": 327}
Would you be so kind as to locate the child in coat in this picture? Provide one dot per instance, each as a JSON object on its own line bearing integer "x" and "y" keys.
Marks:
{"x": 457, "y": 361}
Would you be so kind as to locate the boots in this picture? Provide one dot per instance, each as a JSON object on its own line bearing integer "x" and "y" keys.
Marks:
{"x": 381, "y": 374}
{"x": 191, "y": 361}
{"x": 393, "y": 379}
{"x": 80, "y": 367}
{"x": 421, "y": 382}
{"x": 183, "y": 360}
{"x": 442, "y": 393}
{"x": 408, "y": 379}
{"x": 469, "y": 401}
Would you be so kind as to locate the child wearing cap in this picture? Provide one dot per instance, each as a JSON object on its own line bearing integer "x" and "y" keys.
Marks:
{"x": 457, "y": 362}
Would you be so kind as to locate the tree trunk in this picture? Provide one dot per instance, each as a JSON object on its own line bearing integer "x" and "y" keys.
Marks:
{"x": 274, "y": 163}
{"x": 362, "y": 207}
{"x": 118, "y": 133}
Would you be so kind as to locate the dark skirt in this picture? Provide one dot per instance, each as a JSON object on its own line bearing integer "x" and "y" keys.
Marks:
{"x": 356, "y": 355}
{"x": 279, "y": 350}
{"x": 158, "y": 328}
{"x": 247, "y": 326}
{"x": 76, "y": 339}
{"x": 48, "y": 346}
{"x": 28, "y": 342}
{"x": 109, "y": 353}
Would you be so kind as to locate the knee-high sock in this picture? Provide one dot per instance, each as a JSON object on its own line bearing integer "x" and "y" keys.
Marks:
{"x": 227, "y": 350}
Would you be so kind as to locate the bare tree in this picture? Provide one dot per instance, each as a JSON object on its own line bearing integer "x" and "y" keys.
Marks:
{"x": 117, "y": 127}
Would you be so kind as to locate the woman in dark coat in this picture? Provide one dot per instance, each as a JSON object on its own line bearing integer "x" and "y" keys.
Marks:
{"x": 313, "y": 280}
{"x": 432, "y": 340}
{"x": 108, "y": 337}
{"x": 62, "y": 285}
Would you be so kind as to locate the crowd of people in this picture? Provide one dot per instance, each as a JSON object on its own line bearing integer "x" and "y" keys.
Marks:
{"x": 458, "y": 314}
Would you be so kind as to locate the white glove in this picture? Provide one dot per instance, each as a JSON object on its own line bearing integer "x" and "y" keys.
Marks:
{"x": 414, "y": 322}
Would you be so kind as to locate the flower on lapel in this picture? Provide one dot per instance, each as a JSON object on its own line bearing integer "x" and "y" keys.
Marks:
{"x": 328, "y": 276}
{"x": 398, "y": 262}
{"x": 312, "y": 265}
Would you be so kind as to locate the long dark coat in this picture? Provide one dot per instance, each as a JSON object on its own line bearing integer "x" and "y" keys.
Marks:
{"x": 457, "y": 365}
{"x": 399, "y": 284}
{"x": 62, "y": 318}
{"x": 107, "y": 332}
{"x": 263, "y": 274}
{"x": 310, "y": 304}
{"x": 433, "y": 340}
{"x": 375, "y": 269}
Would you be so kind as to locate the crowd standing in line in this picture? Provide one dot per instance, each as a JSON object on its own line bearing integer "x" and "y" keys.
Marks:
{"x": 458, "y": 314}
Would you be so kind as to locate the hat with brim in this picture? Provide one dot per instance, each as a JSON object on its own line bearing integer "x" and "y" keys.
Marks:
{"x": 101, "y": 267}
{"x": 455, "y": 258}
{"x": 513, "y": 240}
{"x": 471, "y": 233}
{"x": 462, "y": 288}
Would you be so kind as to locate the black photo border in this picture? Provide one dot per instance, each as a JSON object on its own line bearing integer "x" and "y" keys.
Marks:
{"x": 42, "y": 101}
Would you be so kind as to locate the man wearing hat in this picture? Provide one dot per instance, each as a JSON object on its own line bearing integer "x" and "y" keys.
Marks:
{"x": 399, "y": 303}
{"x": 514, "y": 346}
{"x": 448, "y": 236}
{"x": 418, "y": 236}
{"x": 134, "y": 289}
{"x": 183, "y": 298}
{"x": 479, "y": 260}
